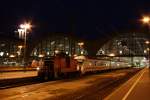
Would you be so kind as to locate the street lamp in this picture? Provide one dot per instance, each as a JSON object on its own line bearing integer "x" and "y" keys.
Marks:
{"x": 25, "y": 27}
{"x": 146, "y": 19}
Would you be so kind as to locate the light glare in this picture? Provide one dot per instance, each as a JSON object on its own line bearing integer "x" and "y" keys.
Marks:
{"x": 146, "y": 19}
{"x": 25, "y": 26}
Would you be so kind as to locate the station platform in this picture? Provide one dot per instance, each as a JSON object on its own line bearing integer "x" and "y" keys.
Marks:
{"x": 17, "y": 74}
{"x": 137, "y": 88}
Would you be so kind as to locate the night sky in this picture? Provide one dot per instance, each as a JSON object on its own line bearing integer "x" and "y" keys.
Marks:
{"x": 84, "y": 18}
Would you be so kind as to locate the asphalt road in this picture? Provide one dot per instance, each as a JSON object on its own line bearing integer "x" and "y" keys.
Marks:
{"x": 92, "y": 87}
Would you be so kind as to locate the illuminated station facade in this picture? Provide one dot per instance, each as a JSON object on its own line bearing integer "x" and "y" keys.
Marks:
{"x": 12, "y": 49}
{"x": 129, "y": 47}
{"x": 54, "y": 44}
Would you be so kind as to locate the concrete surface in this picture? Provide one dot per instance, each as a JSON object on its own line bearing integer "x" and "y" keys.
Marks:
{"x": 137, "y": 88}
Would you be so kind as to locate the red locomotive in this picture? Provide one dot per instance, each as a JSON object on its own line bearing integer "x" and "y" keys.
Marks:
{"x": 54, "y": 67}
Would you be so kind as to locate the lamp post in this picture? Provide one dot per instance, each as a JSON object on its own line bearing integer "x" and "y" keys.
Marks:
{"x": 24, "y": 27}
{"x": 146, "y": 20}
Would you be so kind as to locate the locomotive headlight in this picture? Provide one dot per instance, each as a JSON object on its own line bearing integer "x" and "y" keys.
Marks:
{"x": 78, "y": 67}
{"x": 90, "y": 64}
{"x": 37, "y": 68}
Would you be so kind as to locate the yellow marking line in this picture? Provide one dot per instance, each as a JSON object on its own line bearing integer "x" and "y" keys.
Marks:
{"x": 109, "y": 96}
{"x": 132, "y": 87}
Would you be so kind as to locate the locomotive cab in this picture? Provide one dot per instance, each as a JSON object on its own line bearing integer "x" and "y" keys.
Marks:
{"x": 46, "y": 71}
{"x": 55, "y": 67}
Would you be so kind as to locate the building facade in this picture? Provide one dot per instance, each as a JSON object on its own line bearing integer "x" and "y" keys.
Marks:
{"x": 58, "y": 43}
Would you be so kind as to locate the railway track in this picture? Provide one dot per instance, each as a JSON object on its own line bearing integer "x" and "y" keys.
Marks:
{"x": 16, "y": 82}
{"x": 99, "y": 90}
{"x": 9, "y": 83}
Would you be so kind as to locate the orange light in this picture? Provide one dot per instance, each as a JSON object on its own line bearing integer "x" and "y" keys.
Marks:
{"x": 20, "y": 46}
{"x": 81, "y": 43}
{"x": 147, "y": 42}
{"x": 56, "y": 51}
{"x": 112, "y": 55}
{"x": 146, "y": 19}
{"x": 41, "y": 55}
{"x": 12, "y": 56}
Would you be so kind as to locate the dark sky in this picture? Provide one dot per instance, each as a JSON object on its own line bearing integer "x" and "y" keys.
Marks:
{"x": 85, "y": 18}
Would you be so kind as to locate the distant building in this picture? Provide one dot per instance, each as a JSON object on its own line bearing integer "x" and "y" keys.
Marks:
{"x": 9, "y": 48}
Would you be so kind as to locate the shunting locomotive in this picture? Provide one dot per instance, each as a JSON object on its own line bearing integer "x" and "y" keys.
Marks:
{"x": 57, "y": 66}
